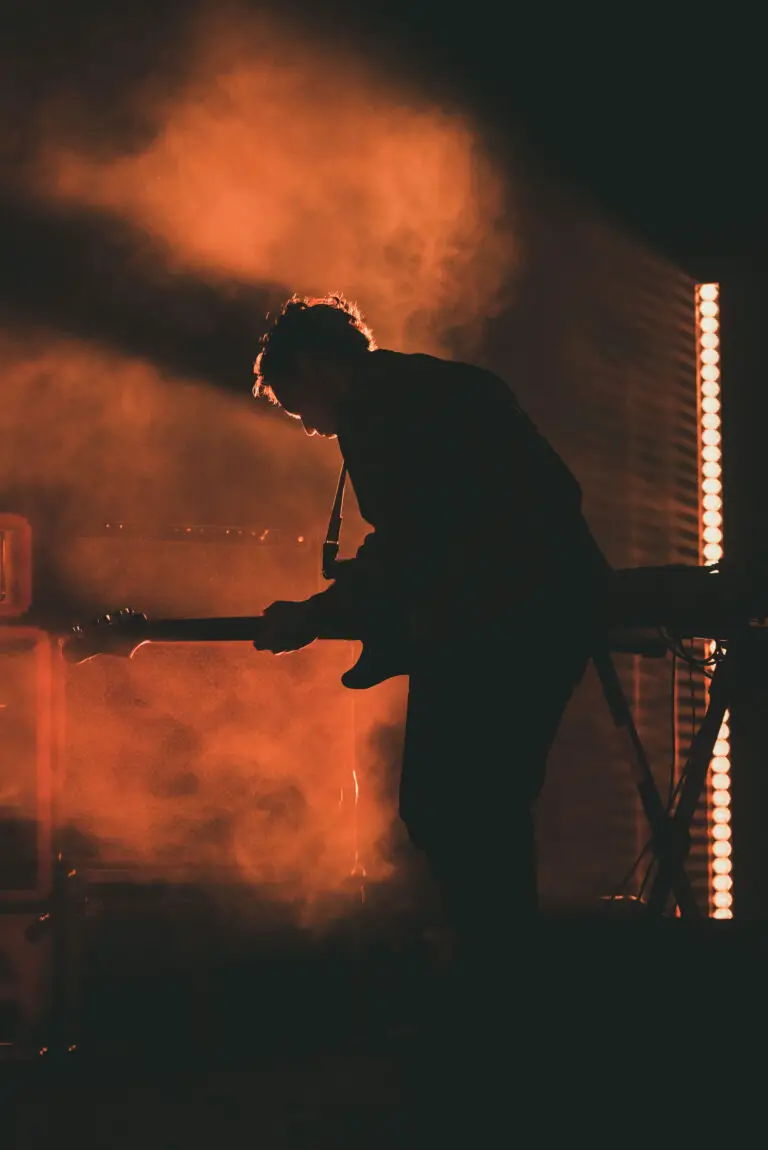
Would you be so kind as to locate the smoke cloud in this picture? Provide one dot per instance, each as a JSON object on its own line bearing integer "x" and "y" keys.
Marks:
{"x": 287, "y": 162}
{"x": 264, "y": 164}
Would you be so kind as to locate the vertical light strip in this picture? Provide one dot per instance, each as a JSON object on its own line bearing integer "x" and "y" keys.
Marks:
{"x": 711, "y": 549}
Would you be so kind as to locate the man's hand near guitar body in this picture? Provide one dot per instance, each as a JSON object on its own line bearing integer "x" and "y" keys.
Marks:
{"x": 288, "y": 626}
{"x": 291, "y": 626}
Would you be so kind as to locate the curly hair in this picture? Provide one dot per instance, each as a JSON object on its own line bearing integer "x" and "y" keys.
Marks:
{"x": 331, "y": 327}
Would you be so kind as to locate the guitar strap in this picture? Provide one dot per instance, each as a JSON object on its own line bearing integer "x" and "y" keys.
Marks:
{"x": 331, "y": 544}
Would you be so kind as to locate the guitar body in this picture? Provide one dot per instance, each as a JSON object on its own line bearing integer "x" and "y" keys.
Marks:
{"x": 376, "y": 663}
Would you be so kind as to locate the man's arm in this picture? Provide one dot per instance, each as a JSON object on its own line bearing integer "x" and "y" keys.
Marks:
{"x": 363, "y": 586}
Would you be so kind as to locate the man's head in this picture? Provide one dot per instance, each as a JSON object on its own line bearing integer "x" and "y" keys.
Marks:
{"x": 309, "y": 358}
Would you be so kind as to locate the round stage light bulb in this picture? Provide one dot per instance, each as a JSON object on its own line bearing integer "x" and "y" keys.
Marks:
{"x": 708, "y": 291}
{"x": 722, "y": 831}
{"x": 721, "y": 849}
{"x": 723, "y": 898}
{"x": 722, "y": 866}
{"x": 721, "y": 798}
{"x": 722, "y": 913}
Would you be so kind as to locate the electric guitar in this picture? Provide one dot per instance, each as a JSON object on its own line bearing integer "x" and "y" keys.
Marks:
{"x": 122, "y": 632}
{"x": 635, "y": 604}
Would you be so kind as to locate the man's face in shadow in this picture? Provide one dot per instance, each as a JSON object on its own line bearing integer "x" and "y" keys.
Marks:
{"x": 314, "y": 393}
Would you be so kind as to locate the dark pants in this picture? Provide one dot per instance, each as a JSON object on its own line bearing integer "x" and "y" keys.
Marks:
{"x": 481, "y": 720}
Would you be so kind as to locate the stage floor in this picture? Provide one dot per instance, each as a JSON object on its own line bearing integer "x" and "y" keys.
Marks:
{"x": 625, "y": 1032}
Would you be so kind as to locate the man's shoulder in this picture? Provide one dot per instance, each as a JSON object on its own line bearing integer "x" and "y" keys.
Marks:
{"x": 418, "y": 368}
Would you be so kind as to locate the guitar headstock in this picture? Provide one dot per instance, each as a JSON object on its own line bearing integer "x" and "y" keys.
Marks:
{"x": 118, "y": 633}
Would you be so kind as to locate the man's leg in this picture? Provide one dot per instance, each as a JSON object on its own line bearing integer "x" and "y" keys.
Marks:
{"x": 476, "y": 750}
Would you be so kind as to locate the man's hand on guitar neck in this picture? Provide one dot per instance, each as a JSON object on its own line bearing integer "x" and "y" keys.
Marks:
{"x": 287, "y": 626}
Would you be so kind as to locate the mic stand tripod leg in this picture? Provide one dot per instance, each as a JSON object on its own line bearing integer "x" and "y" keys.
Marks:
{"x": 662, "y": 827}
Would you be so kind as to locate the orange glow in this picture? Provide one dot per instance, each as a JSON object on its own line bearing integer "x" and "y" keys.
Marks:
{"x": 302, "y": 165}
{"x": 26, "y": 782}
{"x": 15, "y": 565}
{"x": 268, "y": 164}
{"x": 358, "y": 870}
{"x": 711, "y": 539}
{"x": 236, "y": 763}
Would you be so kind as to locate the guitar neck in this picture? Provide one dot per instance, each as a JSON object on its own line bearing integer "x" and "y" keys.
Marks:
{"x": 222, "y": 629}
{"x": 209, "y": 630}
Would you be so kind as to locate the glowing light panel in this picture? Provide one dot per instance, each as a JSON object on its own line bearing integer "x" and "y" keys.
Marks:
{"x": 711, "y": 551}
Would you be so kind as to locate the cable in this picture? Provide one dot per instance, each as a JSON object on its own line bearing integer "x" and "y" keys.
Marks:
{"x": 673, "y": 740}
{"x": 647, "y": 875}
{"x": 675, "y": 645}
{"x": 692, "y": 692}
{"x": 628, "y": 876}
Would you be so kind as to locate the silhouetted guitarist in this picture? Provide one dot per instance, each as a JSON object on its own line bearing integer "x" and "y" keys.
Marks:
{"x": 480, "y": 556}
